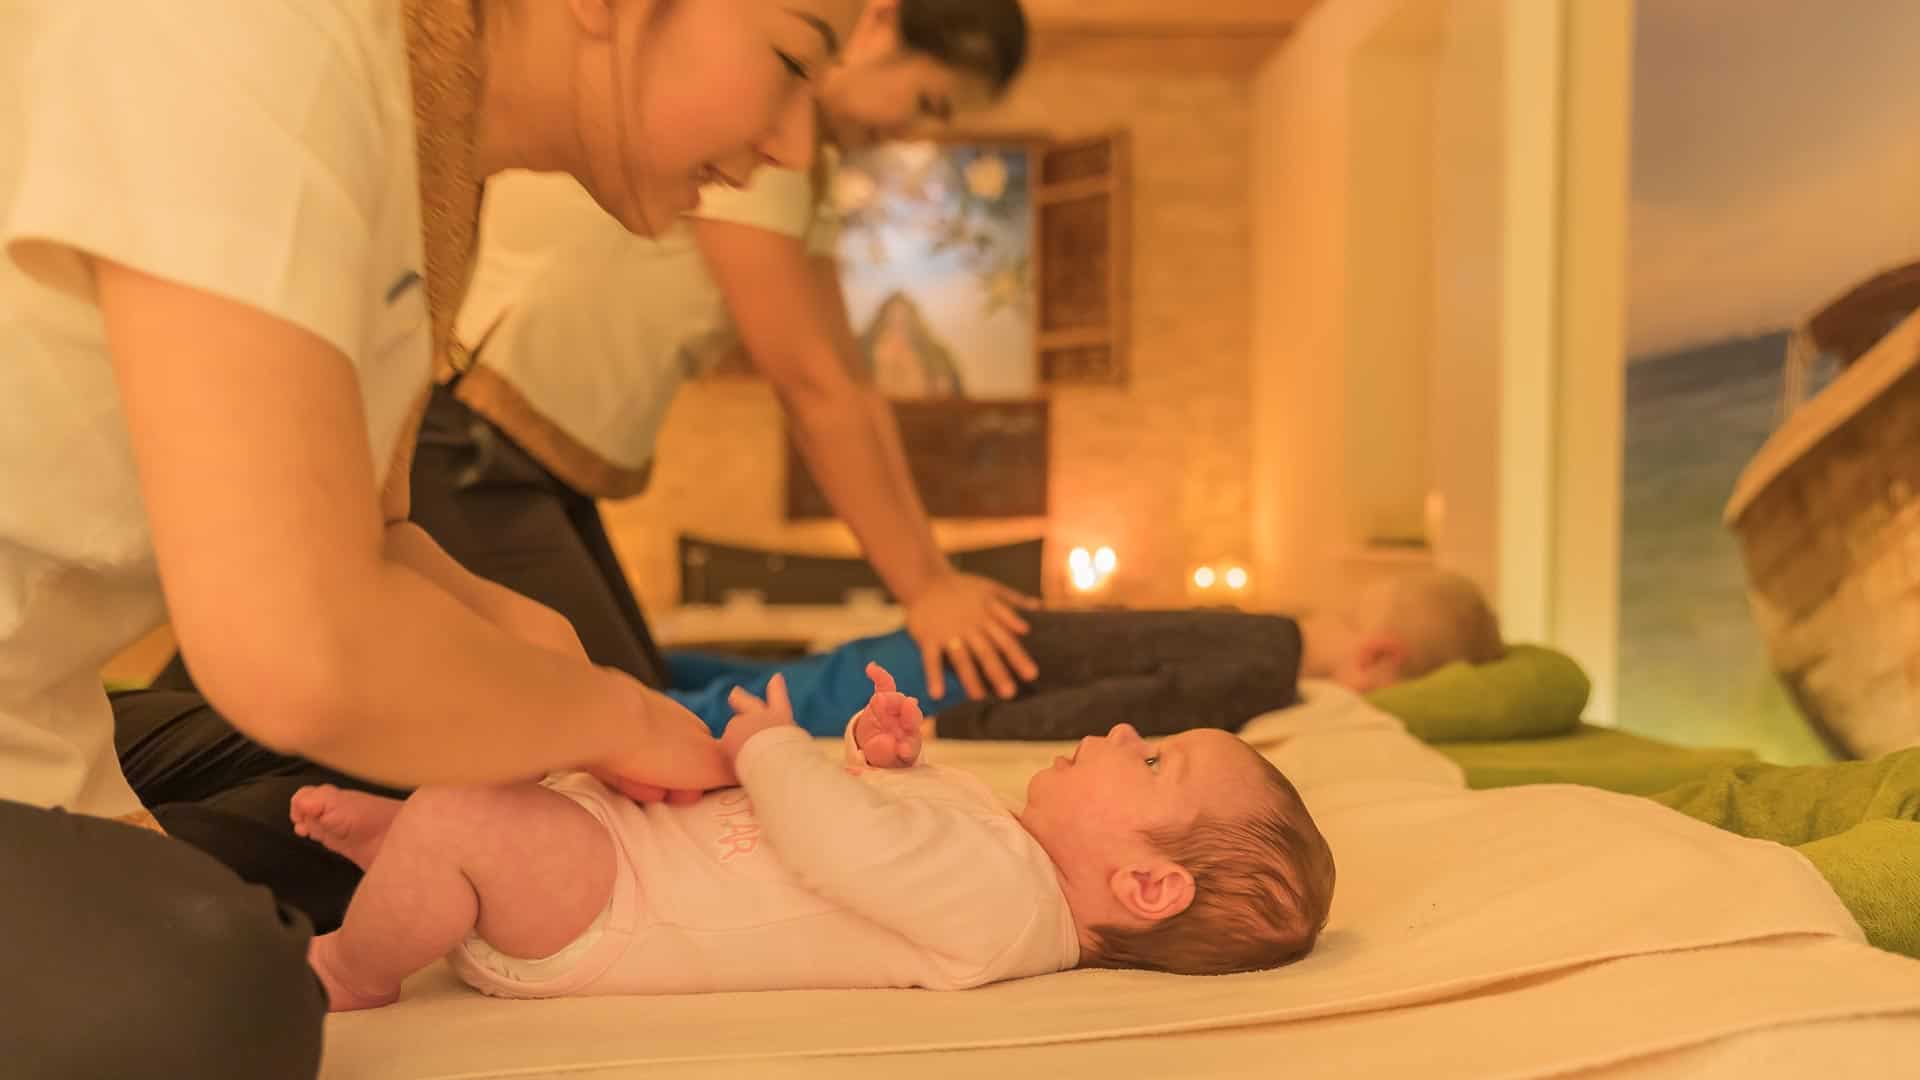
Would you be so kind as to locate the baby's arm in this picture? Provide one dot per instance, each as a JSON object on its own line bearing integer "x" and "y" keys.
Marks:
{"x": 943, "y": 874}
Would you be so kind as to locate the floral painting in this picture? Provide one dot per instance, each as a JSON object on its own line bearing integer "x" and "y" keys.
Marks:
{"x": 937, "y": 265}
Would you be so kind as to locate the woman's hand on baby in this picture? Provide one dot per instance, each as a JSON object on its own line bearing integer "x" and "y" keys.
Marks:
{"x": 680, "y": 762}
{"x": 888, "y": 730}
{"x": 751, "y": 716}
{"x": 975, "y": 625}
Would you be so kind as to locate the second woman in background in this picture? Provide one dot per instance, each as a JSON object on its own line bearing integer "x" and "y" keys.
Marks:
{"x": 580, "y": 335}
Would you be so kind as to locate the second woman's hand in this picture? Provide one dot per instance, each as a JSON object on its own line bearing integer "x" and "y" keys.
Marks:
{"x": 975, "y": 625}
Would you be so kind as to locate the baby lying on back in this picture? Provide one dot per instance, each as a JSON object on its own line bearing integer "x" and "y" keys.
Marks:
{"x": 1191, "y": 854}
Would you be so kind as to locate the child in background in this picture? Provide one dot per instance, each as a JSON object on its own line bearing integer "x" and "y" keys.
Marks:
{"x": 1160, "y": 671}
{"x": 1192, "y": 854}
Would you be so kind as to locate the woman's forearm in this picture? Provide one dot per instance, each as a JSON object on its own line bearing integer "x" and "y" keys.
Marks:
{"x": 793, "y": 320}
{"x": 523, "y": 617}
{"x": 409, "y": 686}
{"x": 861, "y": 476}
{"x": 906, "y": 493}
{"x": 299, "y": 624}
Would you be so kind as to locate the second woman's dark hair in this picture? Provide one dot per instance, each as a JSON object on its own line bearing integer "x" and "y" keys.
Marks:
{"x": 985, "y": 37}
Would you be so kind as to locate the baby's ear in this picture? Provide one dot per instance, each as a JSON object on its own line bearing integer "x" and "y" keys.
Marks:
{"x": 1381, "y": 659}
{"x": 1153, "y": 891}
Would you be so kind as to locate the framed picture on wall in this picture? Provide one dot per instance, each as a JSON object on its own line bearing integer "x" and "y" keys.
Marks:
{"x": 937, "y": 265}
{"x": 980, "y": 271}
{"x": 979, "y": 267}
{"x": 986, "y": 267}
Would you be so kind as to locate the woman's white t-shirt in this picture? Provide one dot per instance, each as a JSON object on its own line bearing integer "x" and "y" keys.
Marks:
{"x": 596, "y": 327}
{"x": 261, "y": 150}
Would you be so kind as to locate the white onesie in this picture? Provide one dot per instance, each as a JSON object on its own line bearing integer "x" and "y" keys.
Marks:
{"x": 811, "y": 875}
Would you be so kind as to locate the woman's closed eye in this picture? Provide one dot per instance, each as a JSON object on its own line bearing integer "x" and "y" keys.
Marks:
{"x": 794, "y": 66}
{"x": 938, "y": 110}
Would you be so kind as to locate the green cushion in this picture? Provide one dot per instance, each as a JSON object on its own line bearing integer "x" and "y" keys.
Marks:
{"x": 1532, "y": 692}
{"x": 1591, "y": 756}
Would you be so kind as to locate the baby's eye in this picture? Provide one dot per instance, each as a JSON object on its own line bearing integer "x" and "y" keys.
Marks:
{"x": 1153, "y": 762}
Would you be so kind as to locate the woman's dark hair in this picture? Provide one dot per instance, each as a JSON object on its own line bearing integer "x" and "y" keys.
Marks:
{"x": 985, "y": 37}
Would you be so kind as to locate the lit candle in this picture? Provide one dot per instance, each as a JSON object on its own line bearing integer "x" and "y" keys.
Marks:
{"x": 1088, "y": 571}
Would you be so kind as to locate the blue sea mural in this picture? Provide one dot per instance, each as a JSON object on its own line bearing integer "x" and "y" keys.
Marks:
{"x": 1774, "y": 167}
{"x": 1692, "y": 666}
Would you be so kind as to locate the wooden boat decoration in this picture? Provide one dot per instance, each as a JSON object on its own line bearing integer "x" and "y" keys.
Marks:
{"x": 1828, "y": 518}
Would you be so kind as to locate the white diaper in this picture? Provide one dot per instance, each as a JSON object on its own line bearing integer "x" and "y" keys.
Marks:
{"x": 546, "y": 968}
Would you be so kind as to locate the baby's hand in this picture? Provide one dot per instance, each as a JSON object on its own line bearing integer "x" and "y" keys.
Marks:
{"x": 887, "y": 731}
{"x": 751, "y": 716}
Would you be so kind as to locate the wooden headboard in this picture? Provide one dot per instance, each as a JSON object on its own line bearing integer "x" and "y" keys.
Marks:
{"x": 710, "y": 569}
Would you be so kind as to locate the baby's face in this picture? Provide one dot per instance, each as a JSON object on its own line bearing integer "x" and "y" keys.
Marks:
{"x": 1117, "y": 786}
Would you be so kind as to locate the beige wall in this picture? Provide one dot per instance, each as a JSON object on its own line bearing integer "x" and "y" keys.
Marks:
{"x": 1381, "y": 277}
{"x": 1469, "y": 198}
{"x": 1389, "y": 277}
{"x": 1497, "y": 258}
{"x": 1157, "y": 468}
{"x": 1590, "y": 405}
{"x": 1302, "y": 310}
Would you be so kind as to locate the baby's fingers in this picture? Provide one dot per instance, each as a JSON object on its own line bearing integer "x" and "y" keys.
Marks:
{"x": 880, "y": 752}
{"x": 905, "y": 717}
{"x": 743, "y": 702}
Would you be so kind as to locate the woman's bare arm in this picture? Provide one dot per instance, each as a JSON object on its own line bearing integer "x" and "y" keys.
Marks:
{"x": 251, "y": 444}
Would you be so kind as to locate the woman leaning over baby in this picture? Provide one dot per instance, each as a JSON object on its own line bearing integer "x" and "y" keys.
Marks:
{"x": 235, "y": 235}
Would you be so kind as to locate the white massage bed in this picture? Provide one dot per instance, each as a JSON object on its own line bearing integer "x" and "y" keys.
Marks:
{"x": 1529, "y": 932}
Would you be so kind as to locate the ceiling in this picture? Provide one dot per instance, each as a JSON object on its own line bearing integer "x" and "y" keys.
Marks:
{"x": 1168, "y": 17}
{"x": 1234, "y": 36}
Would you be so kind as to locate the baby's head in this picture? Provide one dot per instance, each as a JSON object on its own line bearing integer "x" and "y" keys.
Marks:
{"x": 1190, "y": 854}
{"x": 1414, "y": 623}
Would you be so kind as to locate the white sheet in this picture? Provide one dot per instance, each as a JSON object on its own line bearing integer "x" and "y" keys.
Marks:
{"x": 1525, "y": 932}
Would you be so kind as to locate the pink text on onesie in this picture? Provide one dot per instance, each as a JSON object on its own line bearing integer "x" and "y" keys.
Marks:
{"x": 739, "y": 830}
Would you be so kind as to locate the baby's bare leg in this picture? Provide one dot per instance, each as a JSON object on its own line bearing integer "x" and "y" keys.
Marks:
{"x": 529, "y": 868}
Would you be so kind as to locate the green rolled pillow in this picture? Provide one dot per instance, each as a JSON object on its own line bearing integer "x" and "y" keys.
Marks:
{"x": 1530, "y": 693}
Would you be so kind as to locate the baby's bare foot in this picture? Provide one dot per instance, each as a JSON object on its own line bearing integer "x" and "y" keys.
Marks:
{"x": 349, "y": 823}
{"x": 323, "y": 958}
